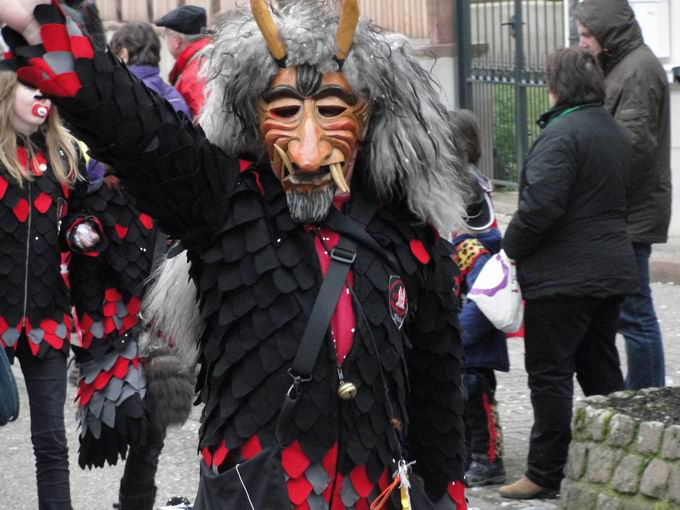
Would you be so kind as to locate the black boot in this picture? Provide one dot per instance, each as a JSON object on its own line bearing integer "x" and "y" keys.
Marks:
{"x": 131, "y": 499}
{"x": 484, "y": 472}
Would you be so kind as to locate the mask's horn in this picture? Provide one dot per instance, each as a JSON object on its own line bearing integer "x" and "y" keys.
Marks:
{"x": 265, "y": 22}
{"x": 347, "y": 25}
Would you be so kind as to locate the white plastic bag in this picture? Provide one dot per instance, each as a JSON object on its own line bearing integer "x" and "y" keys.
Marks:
{"x": 497, "y": 294}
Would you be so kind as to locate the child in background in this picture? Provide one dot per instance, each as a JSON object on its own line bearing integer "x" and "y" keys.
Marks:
{"x": 485, "y": 346}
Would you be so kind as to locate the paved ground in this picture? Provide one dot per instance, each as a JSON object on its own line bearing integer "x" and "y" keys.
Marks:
{"x": 178, "y": 473}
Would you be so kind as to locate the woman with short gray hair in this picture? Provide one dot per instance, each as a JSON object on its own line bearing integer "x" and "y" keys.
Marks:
{"x": 574, "y": 260}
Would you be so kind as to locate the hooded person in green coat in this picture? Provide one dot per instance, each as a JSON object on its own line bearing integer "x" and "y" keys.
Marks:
{"x": 637, "y": 95}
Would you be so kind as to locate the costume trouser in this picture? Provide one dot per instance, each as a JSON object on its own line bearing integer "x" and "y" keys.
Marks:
{"x": 46, "y": 386}
{"x": 137, "y": 487}
{"x": 563, "y": 336}
{"x": 640, "y": 327}
{"x": 483, "y": 434}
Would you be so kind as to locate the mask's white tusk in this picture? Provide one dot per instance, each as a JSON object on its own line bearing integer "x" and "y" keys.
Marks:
{"x": 284, "y": 159}
{"x": 338, "y": 177}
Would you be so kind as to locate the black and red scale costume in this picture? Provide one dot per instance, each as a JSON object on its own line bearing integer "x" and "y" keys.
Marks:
{"x": 257, "y": 278}
{"x": 106, "y": 294}
{"x": 35, "y": 220}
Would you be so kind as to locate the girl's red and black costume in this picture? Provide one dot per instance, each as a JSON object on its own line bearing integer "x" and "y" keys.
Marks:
{"x": 35, "y": 222}
{"x": 257, "y": 273}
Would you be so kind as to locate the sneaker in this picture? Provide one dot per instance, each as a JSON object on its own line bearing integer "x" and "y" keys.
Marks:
{"x": 177, "y": 503}
{"x": 484, "y": 472}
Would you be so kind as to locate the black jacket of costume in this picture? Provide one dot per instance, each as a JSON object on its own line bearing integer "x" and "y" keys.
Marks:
{"x": 32, "y": 218}
{"x": 569, "y": 233}
{"x": 106, "y": 293}
{"x": 257, "y": 276}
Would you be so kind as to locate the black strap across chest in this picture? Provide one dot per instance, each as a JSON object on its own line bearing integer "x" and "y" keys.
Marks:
{"x": 342, "y": 257}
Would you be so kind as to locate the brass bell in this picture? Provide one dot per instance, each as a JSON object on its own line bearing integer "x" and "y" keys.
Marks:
{"x": 347, "y": 391}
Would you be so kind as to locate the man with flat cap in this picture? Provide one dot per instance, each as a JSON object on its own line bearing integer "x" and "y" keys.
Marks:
{"x": 185, "y": 38}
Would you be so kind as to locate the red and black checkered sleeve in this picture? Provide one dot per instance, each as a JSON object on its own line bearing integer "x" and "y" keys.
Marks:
{"x": 175, "y": 174}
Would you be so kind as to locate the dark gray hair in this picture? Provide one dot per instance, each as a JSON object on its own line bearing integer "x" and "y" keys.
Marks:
{"x": 407, "y": 155}
{"x": 141, "y": 42}
{"x": 574, "y": 77}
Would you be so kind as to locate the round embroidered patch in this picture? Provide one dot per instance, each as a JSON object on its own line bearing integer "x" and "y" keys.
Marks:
{"x": 398, "y": 300}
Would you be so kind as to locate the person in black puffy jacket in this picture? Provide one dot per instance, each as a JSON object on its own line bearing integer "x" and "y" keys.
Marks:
{"x": 574, "y": 259}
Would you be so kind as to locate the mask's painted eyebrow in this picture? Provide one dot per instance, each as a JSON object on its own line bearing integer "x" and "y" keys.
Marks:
{"x": 334, "y": 90}
{"x": 283, "y": 91}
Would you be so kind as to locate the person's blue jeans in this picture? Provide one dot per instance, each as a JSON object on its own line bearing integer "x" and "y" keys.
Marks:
{"x": 640, "y": 327}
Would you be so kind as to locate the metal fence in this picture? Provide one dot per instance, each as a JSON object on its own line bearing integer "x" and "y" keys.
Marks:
{"x": 505, "y": 86}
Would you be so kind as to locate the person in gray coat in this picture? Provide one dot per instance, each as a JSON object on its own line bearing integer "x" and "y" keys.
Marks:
{"x": 637, "y": 95}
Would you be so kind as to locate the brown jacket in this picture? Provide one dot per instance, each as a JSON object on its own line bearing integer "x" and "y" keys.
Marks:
{"x": 638, "y": 97}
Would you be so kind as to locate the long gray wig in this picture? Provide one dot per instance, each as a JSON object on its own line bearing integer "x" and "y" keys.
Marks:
{"x": 407, "y": 153}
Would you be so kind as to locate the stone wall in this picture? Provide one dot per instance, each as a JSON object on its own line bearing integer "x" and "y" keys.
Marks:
{"x": 617, "y": 462}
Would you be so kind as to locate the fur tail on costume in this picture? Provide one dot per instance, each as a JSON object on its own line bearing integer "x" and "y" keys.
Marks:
{"x": 169, "y": 342}
{"x": 169, "y": 387}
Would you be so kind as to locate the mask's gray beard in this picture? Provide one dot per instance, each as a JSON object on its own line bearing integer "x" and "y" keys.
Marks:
{"x": 312, "y": 206}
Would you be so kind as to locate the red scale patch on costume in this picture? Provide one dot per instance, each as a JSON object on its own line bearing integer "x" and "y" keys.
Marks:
{"x": 121, "y": 230}
{"x": 85, "y": 392}
{"x": 207, "y": 456}
{"x": 120, "y": 369}
{"x": 64, "y": 190}
{"x": 55, "y": 37}
{"x": 21, "y": 209}
{"x": 456, "y": 491}
{"x": 31, "y": 75}
{"x": 112, "y": 294}
{"x": 362, "y": 484}
{"x": 419, "y": 251}
{"x": 22, "y": 157}
{"x": 330, "y": 459}
{"x": 3, "y": 187}
{"x": 134, "y": 306}
{"x": 146, "y": 220}
{"x": 220, "y": 454}
{"x": 298, "y": 490}
{"x": 54, "y": 341}
{"x": 294, "y": 460}
{"x": 43, "y": 202}
{"x": 243, "y": 164}
{"x": 81, "y": 47}
{"x": 251, "y": 448}
{"x": 85, "y": 327}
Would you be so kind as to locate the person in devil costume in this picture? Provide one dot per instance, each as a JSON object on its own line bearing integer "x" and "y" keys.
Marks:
{"x": 355, "y": 167}
{"x": 41, "y": 216}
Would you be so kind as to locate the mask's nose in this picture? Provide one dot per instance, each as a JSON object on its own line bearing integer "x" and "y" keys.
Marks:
{"x": 309, "y": 150}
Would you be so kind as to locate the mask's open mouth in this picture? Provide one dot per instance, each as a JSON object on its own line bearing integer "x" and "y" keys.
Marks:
{"x": 331, "y": 171}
